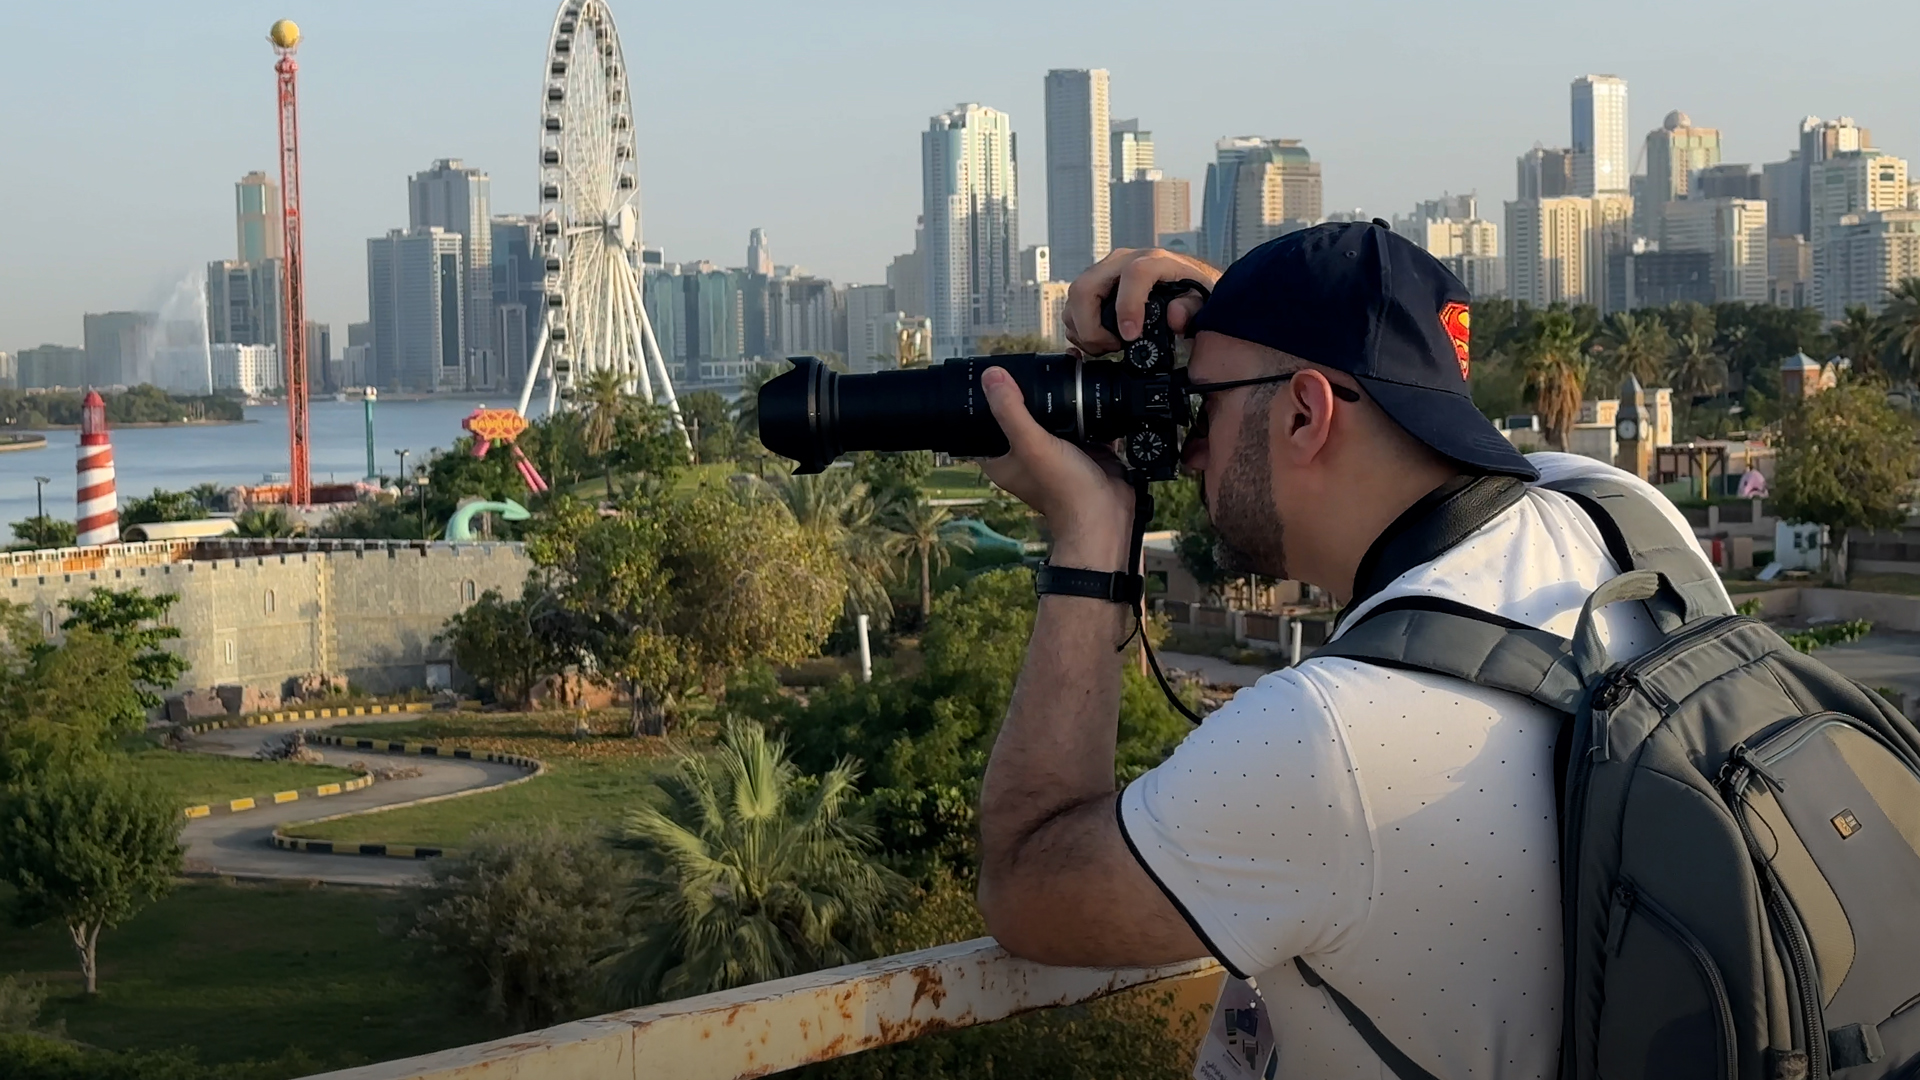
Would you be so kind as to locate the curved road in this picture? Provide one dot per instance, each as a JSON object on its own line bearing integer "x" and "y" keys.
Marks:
{"x": 241, "y": 845}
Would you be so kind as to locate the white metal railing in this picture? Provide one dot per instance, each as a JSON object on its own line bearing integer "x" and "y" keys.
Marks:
{"x": 773, "y": 1026}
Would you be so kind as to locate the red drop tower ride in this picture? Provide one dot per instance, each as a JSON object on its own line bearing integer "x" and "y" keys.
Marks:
{"x": 293, "y": 332}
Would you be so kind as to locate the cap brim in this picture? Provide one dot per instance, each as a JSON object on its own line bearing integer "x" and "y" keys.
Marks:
{"x": 1450, "y": 424}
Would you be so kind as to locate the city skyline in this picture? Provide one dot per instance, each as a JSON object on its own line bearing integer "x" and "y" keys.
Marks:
{"x": 377, "y": 113}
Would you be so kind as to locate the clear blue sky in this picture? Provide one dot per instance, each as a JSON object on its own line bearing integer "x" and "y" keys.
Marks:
{"x": 123, "y": 125}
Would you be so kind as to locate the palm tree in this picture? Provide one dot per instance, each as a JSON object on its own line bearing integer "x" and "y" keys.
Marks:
{"x": 920, "y": 532}
{"x": 271, "y": 522}
{"x": 746, "y": 412}
{"x": 748, "y": 871}
{"x": 1636, "y": 344}
{"x": 1554, "y": 373}
{"x": 603, "y": 398}
{"x": 1697, "y": 371}
{"x": 1902, "y": 322}
{"x": 1862, "y": 339}
{"x": 837, "y": 507}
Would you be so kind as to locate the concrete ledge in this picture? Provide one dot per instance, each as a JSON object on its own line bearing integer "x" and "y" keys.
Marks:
{"x": 235, "y": 806}
{"x": 281, "y": 840}
{"x": 1886, "y": 611}
{"x": 294, "y": 716}
{"x": 774, "y": 1026}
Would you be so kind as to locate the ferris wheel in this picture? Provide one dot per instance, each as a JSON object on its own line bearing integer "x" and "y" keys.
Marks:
{"x": 595, "y": 319}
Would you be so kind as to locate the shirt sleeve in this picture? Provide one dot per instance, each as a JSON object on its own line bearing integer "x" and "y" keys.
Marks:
{"x": 1256, "y": 829}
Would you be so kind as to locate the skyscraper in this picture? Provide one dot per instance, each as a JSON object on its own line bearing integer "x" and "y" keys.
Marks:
{"x": 864, "y": 309}
{"x": 519, "y": 294}
{"x": 416, "y": 299}
{"x": 1078, "y": 171}
{"x": 454, "y": 198}
{"x": 1849, "y": 182}
{"x": 1557, "y": 248}
{"x": 1820, "y": 140}
{"x": 1868, "y": 254}
{"x": 1217, "y": 198}
{"x": 1130, "y": 149}
{"x": 256, "y": 219}
{"x": 1276, "y": 191}
{"x": 1545, "y": 173}
{"x": 972, "y": 224}
{"x": 1733, "y": 232}
{"x": 120, "y": 347}
{"x": 1675, "y": 152}
{"x": 1148, "y": 206}
{"x": 759, "y": 254}
{"x": 243, "y": 303}
{"x": 1600, "y": 162}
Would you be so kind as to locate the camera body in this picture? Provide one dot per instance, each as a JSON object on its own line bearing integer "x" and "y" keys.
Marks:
{"x": 813, "y": 414}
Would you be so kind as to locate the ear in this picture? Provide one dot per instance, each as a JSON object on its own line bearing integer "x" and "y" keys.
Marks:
{"x": 1302, "y": 418}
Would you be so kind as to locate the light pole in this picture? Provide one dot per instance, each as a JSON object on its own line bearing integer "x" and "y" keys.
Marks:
{"x": 420, "y": 485}
{"x": 40, "y": 498}
{"x": 403, "y": 452}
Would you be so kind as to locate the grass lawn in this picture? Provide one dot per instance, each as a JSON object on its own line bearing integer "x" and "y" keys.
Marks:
{"x": 594, "y": 780}
{"x": 957, "y": 482}
{"x": 1901, "y": 584}
{"x": 692, "y": 476}
{"x": 242, "y": 971}
{"x": 205, "y": 778}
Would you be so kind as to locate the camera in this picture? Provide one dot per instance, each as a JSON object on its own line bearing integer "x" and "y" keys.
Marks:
{"x": 813, "y": 414}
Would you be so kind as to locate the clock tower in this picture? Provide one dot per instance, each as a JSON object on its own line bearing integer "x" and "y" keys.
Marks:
{"x": 1633, "y": 428}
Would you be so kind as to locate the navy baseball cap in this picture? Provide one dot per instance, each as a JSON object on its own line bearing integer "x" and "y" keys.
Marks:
{"x": 1359, "y": 298}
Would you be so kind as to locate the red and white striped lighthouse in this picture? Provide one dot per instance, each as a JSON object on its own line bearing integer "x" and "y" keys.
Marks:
{"x": 98, "y": 511}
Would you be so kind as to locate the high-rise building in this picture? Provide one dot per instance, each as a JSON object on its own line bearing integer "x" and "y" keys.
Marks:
{"x": 1130, "y": 150}
{"x": 320, "y": 356}
{"x": 248, "y": 369}
{"x": 972, "y": 223}
{"x": 1820, "y": 140}
{"x": 1869, "y": 253}
{"x": 1784, "y": 185}
{"x": 120, "y": 347}
{"x": 1675, "y": 152}
{"x": 1037, "y": 310}
{"x": 1276, "y": 191}
{"x": 907, "y": 274}
{"x": 454, "y": 198}
{"x": 1734, "y": 234}
{"x": 1600, "y": 161}
{"x": 1217, "y": 200}
{"x": 868, "y": 348}
{"x": 804, "y": 317}
{"x": 1789, "y": 269}
{"x": 1643, "y": 276}
{"x": 1078, "y": 169}
{"x": 243, "y": 303}
{"x": 519, "y": 294}
{"x": 1469, "y": 247}
{"x": 416, "y": 300}
{"x": 356, "y": 360}
{"x": 1545, "y": 173}
{"x": 1731, "y": 180}
{"x": 1557, "y": 249}
{"x": 1446, "y": 207}
{"x": 1036, "y": 263}
{"x": 759, "y": 254}
{"x": 1848, "y": 182}
{"x": 258, "y": 229}
{"x": 1148, "y": 207}
{"x": 9, "y": 371}
{"x": 698, "y": 311}
{"x": 51, "y": 366}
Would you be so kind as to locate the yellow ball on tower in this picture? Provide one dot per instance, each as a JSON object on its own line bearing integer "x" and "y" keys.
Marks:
{"x": 285, "y": 34}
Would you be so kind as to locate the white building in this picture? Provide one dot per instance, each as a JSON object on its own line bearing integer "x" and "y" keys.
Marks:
{"x": 452, "y": 197}
{"x": 1036, "y": 263}
{"x": 1600, "y": 161}
{"x": 1870, "y": 253}
{"x": 971, "y": 224}
{"x": 1846, "y": 183}
{"x": 1470, "y": 248}
{"x": 1130, "y": 149}
{"x": 1733, "y": 232}
{"x": 1037, "y": 310}
{"x": 250, "y": 369}
{"x": 866, "y": 306}
{"x": 1557, "y": 248}
{"x": 1078, "y": 169}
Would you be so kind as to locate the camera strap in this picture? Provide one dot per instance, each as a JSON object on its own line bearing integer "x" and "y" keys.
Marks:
{"x": 1142, "y": 515}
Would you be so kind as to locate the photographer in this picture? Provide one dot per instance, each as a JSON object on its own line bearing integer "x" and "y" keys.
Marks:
{"x": 1394, "y": 830}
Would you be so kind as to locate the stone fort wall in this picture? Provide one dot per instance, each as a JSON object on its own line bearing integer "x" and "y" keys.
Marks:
{"x": 258, "y": 612}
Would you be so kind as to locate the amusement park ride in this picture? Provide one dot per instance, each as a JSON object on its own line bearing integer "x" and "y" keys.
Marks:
{"x": 285, "y": 37}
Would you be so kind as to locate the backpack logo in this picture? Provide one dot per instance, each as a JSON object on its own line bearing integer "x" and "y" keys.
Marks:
{"x": 1846, "y": 824}
{"x": 1457, "y": 319}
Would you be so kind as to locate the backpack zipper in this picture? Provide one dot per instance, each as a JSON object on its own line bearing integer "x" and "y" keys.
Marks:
{"x": 1799, "y": 953}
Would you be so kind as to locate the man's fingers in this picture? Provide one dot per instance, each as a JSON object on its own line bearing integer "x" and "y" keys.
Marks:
{"x": 1180, "y": 313}
{"x": 1024, "y": 433}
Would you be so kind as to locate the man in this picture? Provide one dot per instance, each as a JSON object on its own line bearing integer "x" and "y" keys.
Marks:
{"x": 1395, "y": 830}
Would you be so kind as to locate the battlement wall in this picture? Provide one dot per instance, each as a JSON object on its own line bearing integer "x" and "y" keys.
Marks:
{"x": 258, "y": 612}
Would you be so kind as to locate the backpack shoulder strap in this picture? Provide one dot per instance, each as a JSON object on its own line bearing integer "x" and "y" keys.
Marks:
{"x": 1640, "y": 537}
{"x": 1424, "y": 633}
{"x": 1395, "y": 1059}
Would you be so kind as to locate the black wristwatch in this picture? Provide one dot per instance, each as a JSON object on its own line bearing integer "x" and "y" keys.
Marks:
{"x": 1114, "y": 587}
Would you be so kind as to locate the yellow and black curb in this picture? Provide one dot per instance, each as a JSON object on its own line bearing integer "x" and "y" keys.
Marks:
{"x": 534, "y": 767}
{"x": 235, "y": 806}
{"x": 294, "y": 716}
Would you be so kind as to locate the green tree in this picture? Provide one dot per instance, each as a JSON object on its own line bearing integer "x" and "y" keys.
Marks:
{"x": 891, "y": 476}
{"x": 524, "y": 912}
{"x": 1011, "y": 344}
{"x": 267, "y": 523}
{"x": 604, "y": 405}
{"x": 508, "y": 646}
{"x": 62, "y": 703}
{"x": 1861, "y": 338}
{"x": 708, "y": 413}
{"x": 1554, "y": 371}
{"x": 1902, "y": 321}
{"x": 748, "y": 871}
{"x": 86, "y": 846}
{"x": 1847, "y": 460}
{"x": 136, "y": 621}
{"x": 836, "y": 507}
{"x": 1634, "y": 343}
{"x": 1697, "y": 373}
{"x": 922, "y": 534}
{"x": 162, "y": 505}
{"x": 40, "y": 531}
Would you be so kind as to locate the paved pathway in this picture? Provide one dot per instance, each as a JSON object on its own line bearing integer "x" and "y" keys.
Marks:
{"x": 240, "y": 844}
{"x": 1215, "y": 671}
{"x": 1882, "y": 658}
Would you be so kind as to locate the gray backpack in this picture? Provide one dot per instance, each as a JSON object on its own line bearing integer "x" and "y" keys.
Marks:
{"x": 1740, "y": 841}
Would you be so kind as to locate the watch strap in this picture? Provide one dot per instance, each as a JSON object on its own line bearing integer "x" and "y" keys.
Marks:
{"x": 1114, "y": 587}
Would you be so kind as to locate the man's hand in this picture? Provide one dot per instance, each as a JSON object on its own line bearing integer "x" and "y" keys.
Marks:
{"x": 1087, "y": 503}
{"x": 1129, "y": 274}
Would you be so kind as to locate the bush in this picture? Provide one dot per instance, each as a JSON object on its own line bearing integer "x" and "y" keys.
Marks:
{"x": 37, "y": 1057}
{"x": 20, "y": 1004}
{"x": 524, "y": 913}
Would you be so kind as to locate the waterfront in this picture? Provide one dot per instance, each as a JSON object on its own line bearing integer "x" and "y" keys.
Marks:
{"x": 177, "y": 458}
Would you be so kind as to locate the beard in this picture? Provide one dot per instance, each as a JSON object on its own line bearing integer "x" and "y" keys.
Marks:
{"x": 1250, "y": 533}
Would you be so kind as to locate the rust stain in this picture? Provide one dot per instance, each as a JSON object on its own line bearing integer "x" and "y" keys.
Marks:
{"x": 927, "y": 984}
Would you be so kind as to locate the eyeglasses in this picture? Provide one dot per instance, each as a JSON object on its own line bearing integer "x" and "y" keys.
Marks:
{"x": 1196, "y": 397}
